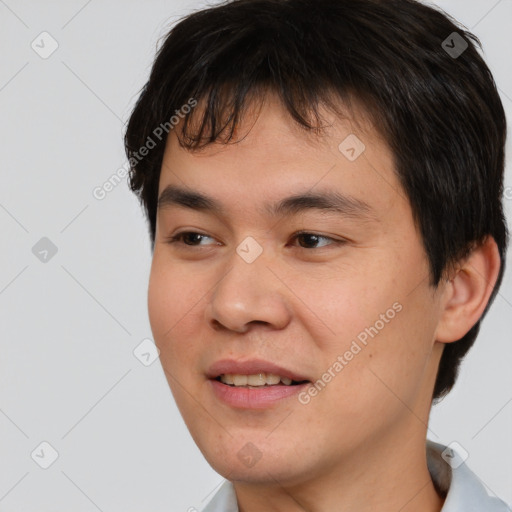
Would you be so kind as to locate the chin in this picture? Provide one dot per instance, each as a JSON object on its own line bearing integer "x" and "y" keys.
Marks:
{"x": 245, "y": 461}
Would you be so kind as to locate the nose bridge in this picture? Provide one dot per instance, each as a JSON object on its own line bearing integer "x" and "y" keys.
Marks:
{"x": 248, "y": 292}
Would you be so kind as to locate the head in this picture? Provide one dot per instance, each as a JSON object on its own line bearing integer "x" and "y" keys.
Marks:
{"x": 254, "y": 101}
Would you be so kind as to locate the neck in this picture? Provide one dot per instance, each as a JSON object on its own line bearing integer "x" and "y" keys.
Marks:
{"x": 387, "y": 475}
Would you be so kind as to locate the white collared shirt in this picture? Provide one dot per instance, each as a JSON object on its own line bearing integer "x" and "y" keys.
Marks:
{"x": 464, "y": 491}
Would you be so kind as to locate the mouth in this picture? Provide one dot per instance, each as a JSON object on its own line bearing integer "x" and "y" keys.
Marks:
{"x": 254, "y": 373}
{"x": 254, "y": 384}
{"x": 257, "y": 380}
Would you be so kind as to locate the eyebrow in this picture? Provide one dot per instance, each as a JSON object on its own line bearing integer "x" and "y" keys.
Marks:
{"x": 327, "y": 200}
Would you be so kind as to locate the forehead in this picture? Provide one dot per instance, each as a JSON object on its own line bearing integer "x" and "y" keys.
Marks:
{"x": 273, "y": 158}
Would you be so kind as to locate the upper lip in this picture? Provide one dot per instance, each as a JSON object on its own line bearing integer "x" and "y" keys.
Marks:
{"x": 251, "y": 367}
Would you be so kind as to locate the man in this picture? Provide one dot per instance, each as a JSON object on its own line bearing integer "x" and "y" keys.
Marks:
{"x": 322, "y": 181}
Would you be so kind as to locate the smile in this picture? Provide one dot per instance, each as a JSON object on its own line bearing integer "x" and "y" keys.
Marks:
{"x": 257, "y": 380}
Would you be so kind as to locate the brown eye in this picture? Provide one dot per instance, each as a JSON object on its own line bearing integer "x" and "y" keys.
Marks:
{"x": 311, "y": 240}
{"x": 190, "y": 238}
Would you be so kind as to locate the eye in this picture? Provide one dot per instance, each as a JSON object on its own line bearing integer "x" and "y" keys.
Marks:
{"x": 312, "y": 239}
{"x": 188, "y": 238}
{"x": 309, "y": 240}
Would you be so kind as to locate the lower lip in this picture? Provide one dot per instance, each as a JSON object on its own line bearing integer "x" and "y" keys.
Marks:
{"x": 250, "y": 398}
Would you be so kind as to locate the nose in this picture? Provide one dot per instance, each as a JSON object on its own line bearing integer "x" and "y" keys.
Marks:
{"x": 248, "y": 293}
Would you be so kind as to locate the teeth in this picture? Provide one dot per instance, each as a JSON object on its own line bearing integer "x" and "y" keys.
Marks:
{"x": 274, "y": 379}
{"x": 240, "y": 380}
{"x": 227, "y": 379}
{"x": 257, "y": 380}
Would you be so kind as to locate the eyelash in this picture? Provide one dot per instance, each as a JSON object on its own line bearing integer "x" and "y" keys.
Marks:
{"x": 178, "y": 238}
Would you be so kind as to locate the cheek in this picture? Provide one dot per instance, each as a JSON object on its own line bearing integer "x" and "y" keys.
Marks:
{"x": 173, "y": 301}
{"x": 351, "y": 306}
{"x": 385, "y": 378}
{"x": 171, "y": 314}
{"x": 384, "y": 335}
{"x": 172, "y": 293}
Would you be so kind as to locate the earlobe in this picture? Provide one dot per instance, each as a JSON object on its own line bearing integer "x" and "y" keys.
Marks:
{"x": 467, "y": 293}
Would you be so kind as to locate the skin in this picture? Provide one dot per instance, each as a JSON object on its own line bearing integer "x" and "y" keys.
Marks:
{"x": 360, "y": 443}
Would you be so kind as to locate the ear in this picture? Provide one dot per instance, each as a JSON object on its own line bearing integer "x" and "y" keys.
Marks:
{"x": 467, "y": 293}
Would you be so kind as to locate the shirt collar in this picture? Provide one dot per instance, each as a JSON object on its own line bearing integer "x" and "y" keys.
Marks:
{"x": 463, "y": 490}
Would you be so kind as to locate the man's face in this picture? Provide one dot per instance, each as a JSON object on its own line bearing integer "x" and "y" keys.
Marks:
{"x": 346, "y": 305}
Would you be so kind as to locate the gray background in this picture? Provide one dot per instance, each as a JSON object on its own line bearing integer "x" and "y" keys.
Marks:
{"x": 69, "y": 326}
